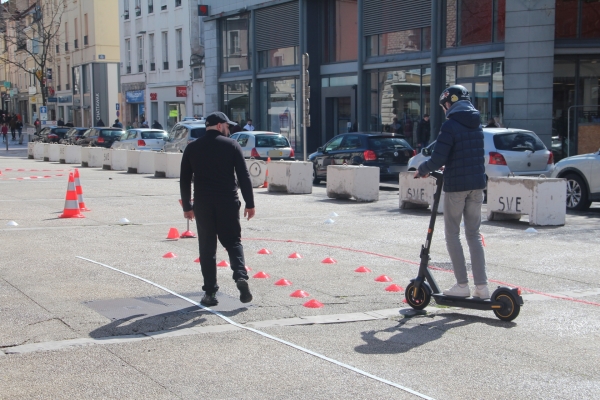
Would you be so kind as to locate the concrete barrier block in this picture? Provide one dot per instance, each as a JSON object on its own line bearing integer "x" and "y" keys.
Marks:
{"x": 38, "y": 151}
{"x": 54, "y": 152}
{"x": 107, "y": 159}
{"x": 61, "y": 154}
{"x": 118, "y": 160}
{"x": 351, "y": 181}
{"x": 543, "y": 199}
{"x": 173, "y": 165}
{"x": 85, "y": 156}
{"x": 258, "y": 171}
{"x": 160, "y": 165}
{"x": 46, "y": 151}
{"x": 293, "y": 177}
{"x": 146, "y": 165}
{"x": 73, "y": 154}
{"x": 30, "y": 147}
{"x": 96, "y": 157}
{"x": 133, "y": 161}
{"x": 417, "y": 193}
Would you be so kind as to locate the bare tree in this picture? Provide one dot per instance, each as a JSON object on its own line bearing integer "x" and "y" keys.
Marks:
{"x": 30, "y": 35}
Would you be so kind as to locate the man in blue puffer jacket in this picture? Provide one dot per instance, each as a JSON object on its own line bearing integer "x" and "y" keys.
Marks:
{"x": 459, "y": 148}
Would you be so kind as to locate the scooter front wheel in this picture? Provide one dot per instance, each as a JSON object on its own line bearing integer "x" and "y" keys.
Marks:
{"x": 510, "y": 308}
{"x": 417, "y": 298}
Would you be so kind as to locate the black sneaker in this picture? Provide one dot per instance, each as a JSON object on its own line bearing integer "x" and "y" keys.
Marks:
{"x": 209, "y": 299}
{"x": 245, "y": 295}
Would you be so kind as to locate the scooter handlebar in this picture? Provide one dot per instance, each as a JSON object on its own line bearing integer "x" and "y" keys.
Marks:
{"x": 437, "y": 175}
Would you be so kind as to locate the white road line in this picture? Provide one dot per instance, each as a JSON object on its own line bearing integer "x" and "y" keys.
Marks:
{"x": 266, "y": 335}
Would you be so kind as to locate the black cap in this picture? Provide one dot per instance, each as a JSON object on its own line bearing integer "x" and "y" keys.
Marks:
{"x": 218, "y": 118}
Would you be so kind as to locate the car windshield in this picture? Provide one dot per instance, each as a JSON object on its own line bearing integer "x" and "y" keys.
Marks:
{"x": 386, "y": 143}
{"x": 271, "y": 141}
{"x": 197, "y": 133}
{"x": 518, "y": 141}
{"x": 111, "y": 133}
{"x": 154, "y": 135}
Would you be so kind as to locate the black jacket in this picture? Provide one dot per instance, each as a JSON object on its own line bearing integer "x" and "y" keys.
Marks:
{"x": 459, "y": 147}
{"x": 214, "y": 161}
{"x": 424, "y": 131}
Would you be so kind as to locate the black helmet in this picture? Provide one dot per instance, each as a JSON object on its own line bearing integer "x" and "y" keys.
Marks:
{"x": 453, "y": 94}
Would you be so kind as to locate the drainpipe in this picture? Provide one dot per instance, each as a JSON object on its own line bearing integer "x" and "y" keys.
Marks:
{"x": 360, "y": 92}
{"x": 435, "y": 115}
{"x": 254, "y": 90}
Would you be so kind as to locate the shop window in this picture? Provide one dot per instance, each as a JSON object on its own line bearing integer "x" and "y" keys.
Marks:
{"x": 235, "y": 41}
{"x": 279, "y": 57}
{"x": 279, "y": 109}
{"x": 236, "y": 101}
{"x": 472, "y": 22}
{"x": 577, "y": 19}
{"x": 340, "y": 30}
{"x": 407, "y": 41}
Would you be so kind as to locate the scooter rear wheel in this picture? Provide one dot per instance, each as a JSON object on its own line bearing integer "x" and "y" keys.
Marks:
{"x": 417, "y": 298}
{"x": 510, "y": 308}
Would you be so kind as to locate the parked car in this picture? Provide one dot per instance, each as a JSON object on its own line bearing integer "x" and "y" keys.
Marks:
{"x": 188, "y": 119}
{"x": 507, "y": 151}
{"x": 52, "y": 134}
{"x": 389, "y": 153}
{"x": 262, "y": 145}
{"x": 182, "y": 134}
{"x": 101, "y": 137}
{"x": 73, "y": 135}
{"x": 142, "y": 139}
{"x": 582, "y": 173}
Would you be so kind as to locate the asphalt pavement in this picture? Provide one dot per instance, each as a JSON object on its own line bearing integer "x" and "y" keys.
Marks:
{"x": 89, "y": 308}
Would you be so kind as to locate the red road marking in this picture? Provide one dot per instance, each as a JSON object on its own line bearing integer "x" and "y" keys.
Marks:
{"x": 554, "y": 296}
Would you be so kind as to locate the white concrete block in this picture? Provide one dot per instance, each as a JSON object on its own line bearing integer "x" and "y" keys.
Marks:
{"x": 95, "y": 157}
{"x": 106, "y": 159}
{"x": 118, "y": 161}
{"x": 38, "y": 151}
{"x": 46, "y": 149}
{"x": 54, "y": 152}
{"x": 417, "y": 193}
{"x": 352, "y": 181}
{"x": 258, "y": 171}
{"x": 146, "y": 164}
{"x": 85, "y": 156}
{"x": 30, "y": 147}
{"x": 174, "y": 165}
{"x": 160, "y": 165}
{"x": 293, "y": 177}
{"x": 73, "y": 154}
{"x": 543, "y": 199}
{"x": 61, "y": 153}
{"x": 133, "y": 161}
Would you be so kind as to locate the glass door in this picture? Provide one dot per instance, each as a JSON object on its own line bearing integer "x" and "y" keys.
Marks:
{"x": 480, "y": 96}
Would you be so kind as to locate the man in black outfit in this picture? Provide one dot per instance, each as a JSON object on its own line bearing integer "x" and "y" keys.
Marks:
{"x": 214, "y": 161}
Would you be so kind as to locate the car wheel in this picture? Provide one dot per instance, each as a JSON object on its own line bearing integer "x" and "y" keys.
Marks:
{"x": 316, "y": 180}
{"x": 577, "y": 194}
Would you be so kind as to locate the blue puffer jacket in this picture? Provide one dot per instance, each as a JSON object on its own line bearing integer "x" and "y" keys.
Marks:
{"x": 459, "y": 147}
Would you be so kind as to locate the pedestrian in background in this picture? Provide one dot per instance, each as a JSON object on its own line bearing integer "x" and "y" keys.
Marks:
{"x": 20, "y": 131}
{"x": 117, "y": 124}
{"x": 13, "y": 126}
{"x": 459, "y": 148}
{"x": 213, "y": 162}
{"x": 424, "y": 131}
{"x": 4, "y": 132}
{"x": 249, "y": 126}
{"x": 156, "y": 125}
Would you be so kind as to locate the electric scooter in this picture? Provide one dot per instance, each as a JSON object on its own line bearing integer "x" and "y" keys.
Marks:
{"x": 505, "y": 302}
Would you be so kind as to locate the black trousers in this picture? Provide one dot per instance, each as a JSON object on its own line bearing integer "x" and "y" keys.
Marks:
{"x": 219, "y": 217}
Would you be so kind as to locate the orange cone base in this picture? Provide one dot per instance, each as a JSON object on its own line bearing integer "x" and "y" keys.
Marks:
{"x": 264, "y": 251}
{"x": 261, "y": 275}
{"x": 170, "y": 255}
{"x": 313, "y": 304}
{"x": 294, "y": 255}
{"x": 383, "y": 278}
{"x": 328, "y": 260}
{"x": 187, "y": 235}
{"x": 283, "y": 282}
{"x": 300, "y": 293}
{"x": 404, "y": 301}
{"x": 223, "y": 264}
{"x": 173, "y": 234}
{"x": 71, "y": 214}
{"x": 197, "y": 260}
{"x": 362, "y": 269}
{"x": 393, "y": 288}
{"x": 248, "y": 268}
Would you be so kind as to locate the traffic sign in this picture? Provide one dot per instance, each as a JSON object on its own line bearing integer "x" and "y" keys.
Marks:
{"x": 43, "y": 113}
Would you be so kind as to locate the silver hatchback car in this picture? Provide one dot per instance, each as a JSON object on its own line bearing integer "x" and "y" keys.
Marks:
{"x": 182, "y": 134}
{"x": 262, "y": 145}
{"x": 142, "y": 139}
{"x": 507, "y": 151}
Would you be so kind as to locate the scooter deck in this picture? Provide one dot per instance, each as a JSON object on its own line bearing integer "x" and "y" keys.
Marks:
{"x": 465, "y": 302}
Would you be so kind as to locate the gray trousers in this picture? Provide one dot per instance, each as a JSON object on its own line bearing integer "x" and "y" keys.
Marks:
{"x": 457, "y": 205}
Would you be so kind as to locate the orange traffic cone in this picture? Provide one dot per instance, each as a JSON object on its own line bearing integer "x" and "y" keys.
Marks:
{"x": 79, "y": 191}
{"x": 266, "y": 184}
{"x": 71, "y": 206}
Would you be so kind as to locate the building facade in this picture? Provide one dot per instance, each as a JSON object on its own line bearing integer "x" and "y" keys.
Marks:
{"x": 381, "y": 65}
{"x": 162, "y": 57}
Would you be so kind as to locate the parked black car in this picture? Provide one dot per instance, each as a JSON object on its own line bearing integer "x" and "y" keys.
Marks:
{"x": 73, "y": 135}
{"x": 389, "y": 153}
{"x": 52, "y": 134}
{"x": 101, "y": 137}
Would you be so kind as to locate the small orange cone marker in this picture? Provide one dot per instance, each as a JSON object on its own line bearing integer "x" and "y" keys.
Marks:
{"x": 362, "y": 268}
{"x": 383, "y": 278}
{"x": 170, "y": 255}
{"x": 300, "y": 294}
{"x": 197, "y": 260}
{"x": 261, "y": 275}
{"x": 79, "y": 191}
{"x": 223, "y": 263}
{"x": 393, "y": 288}
{"x": 294, "y": 255}
{"x": 482, "y": 239}
{"x": 313, "y": 304}
{"x": 248, "y": 268}
{"x": 264, "y": 251}
{"x": 173, "y": 234}
{"x": 283, "y": 282}
{"x": 329, "y": 260}
{"x": 71, "y": 209}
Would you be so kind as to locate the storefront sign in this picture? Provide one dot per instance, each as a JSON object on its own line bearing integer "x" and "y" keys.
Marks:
{"x": 32, "y": 90}
{"x": 52, "y": 99}
{"x": 181, "y": 91}
{"x": 7, "y": 84}
{"x": 100, "y": 90}
{"x": 65, "y": 99}
{"x": 135, "y": 96}
{"x": 153, "y": 96}
{"x": 173, "y": 114}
